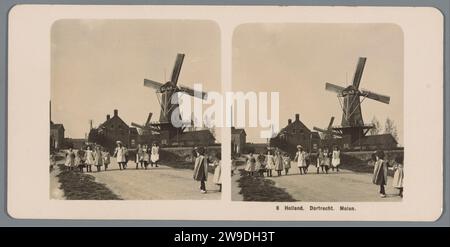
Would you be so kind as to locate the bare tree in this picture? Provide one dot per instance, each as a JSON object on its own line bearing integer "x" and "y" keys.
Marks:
{"x": 376, "y": 127}
{"x": 390, "y": 128}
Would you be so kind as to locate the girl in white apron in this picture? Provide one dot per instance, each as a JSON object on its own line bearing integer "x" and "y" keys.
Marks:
{"x": 90, "y": 159}
{"x": 251, "y": 164}
{"x": 397, "y": 181}
{"x": 70, "y": 159}
{"x": 270, "y": 163}
{"x": 217, "y": 179}
{"x": 154, "y": 157}
{"x": 300, "y": 156}
{"x": 335, "y": 159}
{"x": 286, "y": 163}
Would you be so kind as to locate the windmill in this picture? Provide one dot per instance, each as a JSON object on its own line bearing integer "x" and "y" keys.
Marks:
{"x": 350, "y": 99}
{"x": 146, "y": 128}
{"x": 164, "y": 93}
{"x": 328, "y": 133}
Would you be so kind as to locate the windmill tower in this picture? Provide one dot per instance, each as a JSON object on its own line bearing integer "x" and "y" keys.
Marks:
{"x": 164, "y": 93}
{"x": 350, "y": 99}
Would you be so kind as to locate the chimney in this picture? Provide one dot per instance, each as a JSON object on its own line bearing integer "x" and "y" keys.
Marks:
{"x": 116, "y": 112}
{"x": 297, "y": 117}
{"x": 108, "y": 117}
{"x": 289, "y": 121}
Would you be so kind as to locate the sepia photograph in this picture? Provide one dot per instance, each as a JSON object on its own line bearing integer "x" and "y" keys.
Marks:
{"x": 241, "y": 113}
{"x": 339, "y": 134}
{"x": 115, "y": 86}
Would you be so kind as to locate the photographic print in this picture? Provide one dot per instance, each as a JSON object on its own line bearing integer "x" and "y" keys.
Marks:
{"x": 242, "y": 113}
{"x": 340, "y": 130}
{"x": 115, "y": 86}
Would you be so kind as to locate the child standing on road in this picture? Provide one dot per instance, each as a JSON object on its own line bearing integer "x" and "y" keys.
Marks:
{"x": 154, "y": 158}
{"x": 251, "y": 164}
{"x": 70, "y": 159}
{"x": 300, "y": 156}
{"x": 90, "y": 159}
{"x": 326, "y": 159}
{"x": 201, "y": 169}
{"x": 278, "y": 162}
{"x": 218, "y": 171}
{"x": 139, "y": 157}
{"x": 98, "y": 158}
{"x": 106, "y": 159}
{"x": 397, "y": 181}
{"x": 336, "y": 159}
{"x": 320, "y": 160}
{"x": 380, "y": 172}
{"x": 270, "y": 163}
{"x": 286, "y": 162}
{"x": 145, "y": 156}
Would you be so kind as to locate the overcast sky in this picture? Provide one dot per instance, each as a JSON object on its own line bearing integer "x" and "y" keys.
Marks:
{"x": 100, "y": 65}
{"x": 298, "y": 59}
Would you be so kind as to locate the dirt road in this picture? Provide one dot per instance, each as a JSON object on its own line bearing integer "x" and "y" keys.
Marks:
{"x": 161, "y": 183}
{"x": 345, "y": 186}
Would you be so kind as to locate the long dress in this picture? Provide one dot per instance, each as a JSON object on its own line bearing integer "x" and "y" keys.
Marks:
{"x": 301, "y": 159}
{"x": 70, "y": 159}
{"x": 78, "y": 159}
{"x": 380, "y": 172}
{"x": 217, "y": 172}
{"x": 139, "y": 155}
{"x": 326, "y": 159}
{"x": 278, "y": 163}
{"x": 98, "y": 158}
{"x": 120, "y": 154}
{"x": 336, "y": 158}
{"x": 270, "y": 162}
{"x": 320, "y": 159}
{"x": 258, "y": 163}
{"x": 154, "y": 157}
{"x": 200, "y": 168}
{"x": 286, "y": 162}
{"x": 90, "y": 157}
{"x": 106, "y": 159}
{"x": 145, "y": 156}
{"x": 251, "y": 164}
{"x": 397, "y": 181}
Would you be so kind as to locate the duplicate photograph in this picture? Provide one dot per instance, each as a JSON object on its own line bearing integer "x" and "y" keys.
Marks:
{"x": 340, "y": 132}
{"x": 117, "y": 126}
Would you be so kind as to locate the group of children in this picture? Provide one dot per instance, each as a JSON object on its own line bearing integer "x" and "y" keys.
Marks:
{"x": 97, "y": 156}
{"x": 146, "y": 156}
{"x": 86, "y": 158}
{"x": 380, "y": 172}
{"x": 201, "y": 163}
{"x": 276, "y": 160}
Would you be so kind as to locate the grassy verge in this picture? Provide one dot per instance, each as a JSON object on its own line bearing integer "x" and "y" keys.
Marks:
{"x": 357, "y": 165}
{"x": 183, "y": 165}
{"x": 79, "y": 186}
{"x": 257, "y": 188}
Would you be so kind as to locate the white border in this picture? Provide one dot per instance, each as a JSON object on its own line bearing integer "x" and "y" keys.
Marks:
{"x": 29, "y": 92}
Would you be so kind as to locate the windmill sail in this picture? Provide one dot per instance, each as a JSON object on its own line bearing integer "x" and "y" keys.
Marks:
{"x": 375, "y": 96}
{"x": 152, "y": 84}
{"x": 193, "y": 93}
{"x": 177, "y": 68}
{"x": 359, "y": 71}
{"x": 334, "y": 88}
